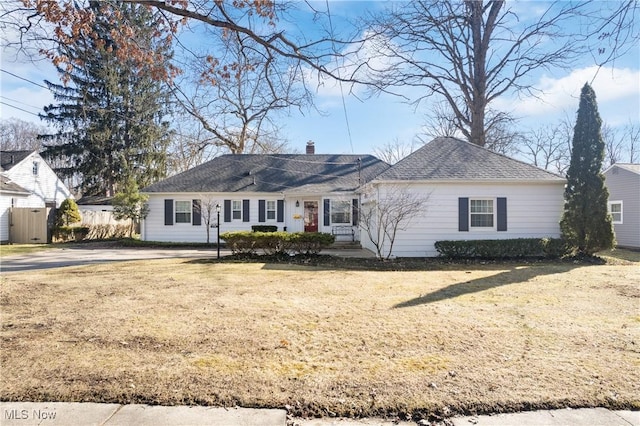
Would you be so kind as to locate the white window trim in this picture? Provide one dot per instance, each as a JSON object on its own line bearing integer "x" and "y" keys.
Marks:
{"x": 267, "y": 210}
{"x": 35, "y": 168}
{"x": 493, "y": 212}
{"x": 175, "y": 212}
{"x": 331, "y": 203}
{"x": 616, "y": 222}
{"x": 239, "y": 219}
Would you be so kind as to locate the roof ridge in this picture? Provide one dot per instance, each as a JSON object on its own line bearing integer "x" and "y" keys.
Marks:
{"x": 509, "y": 158}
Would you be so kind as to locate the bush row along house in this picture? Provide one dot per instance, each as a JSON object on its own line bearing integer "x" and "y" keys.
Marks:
{"x": 471, "y": 193}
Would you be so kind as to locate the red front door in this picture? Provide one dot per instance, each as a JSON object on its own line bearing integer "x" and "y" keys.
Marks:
{"x": 310, "y": 216}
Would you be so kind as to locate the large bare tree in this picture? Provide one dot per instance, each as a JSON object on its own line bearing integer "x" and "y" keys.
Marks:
{"x": 17, "y": 135}
{"x": 548, "y": 147}
{"x": 237, "y": 104}
{"x": 470, "y": 52}
{"x": 395, "y": 150}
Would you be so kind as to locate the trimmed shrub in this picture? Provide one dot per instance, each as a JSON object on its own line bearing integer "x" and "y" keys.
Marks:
{"x": 248, "y": 242}
{"x": 264, "y": 228}
{"x": 310, "y": 242}
{"x": 518, "y": 248}
{"x": 67, "y": 214}
{"x": 240, "y": 241}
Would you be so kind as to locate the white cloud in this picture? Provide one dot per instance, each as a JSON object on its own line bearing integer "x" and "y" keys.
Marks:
{"x": 358, "y": 61}
{"x": 617, "y": 92}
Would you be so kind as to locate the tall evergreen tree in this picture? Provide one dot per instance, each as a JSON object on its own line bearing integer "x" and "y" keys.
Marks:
{"x": 110, "y": 113}
{"x": 586, "y": 224}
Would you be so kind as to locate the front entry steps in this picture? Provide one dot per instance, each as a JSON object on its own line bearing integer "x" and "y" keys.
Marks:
{"x": 346, "y": 245}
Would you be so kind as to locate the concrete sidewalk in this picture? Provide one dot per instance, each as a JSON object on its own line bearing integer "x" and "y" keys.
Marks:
{"x": 61, "y": 413}
{"x": 85, "y": 414}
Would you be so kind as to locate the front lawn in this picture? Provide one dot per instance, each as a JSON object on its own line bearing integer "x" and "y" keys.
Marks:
{"x": 452, "y": 339}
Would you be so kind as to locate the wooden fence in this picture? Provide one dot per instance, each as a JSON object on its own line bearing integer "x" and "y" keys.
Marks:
{"x": 92, "y": 217}
{"x": 29, "y": 225}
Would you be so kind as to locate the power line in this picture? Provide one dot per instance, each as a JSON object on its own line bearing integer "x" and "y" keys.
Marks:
{"x": 25, "y": 79}
{"x": 18, "y": 108}
{"x": 17, "y": 101}
{"x": 344, "y": 104}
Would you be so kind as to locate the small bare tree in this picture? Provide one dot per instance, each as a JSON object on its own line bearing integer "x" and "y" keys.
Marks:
{"x": 383, "y": 216}
{"x": 208, "y": 210}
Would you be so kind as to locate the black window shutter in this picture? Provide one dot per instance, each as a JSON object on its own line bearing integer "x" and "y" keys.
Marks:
{"x": 262, "y": 211}
{"x": 196, "y": 207}
{"x": 327, "y": 212}
{"x": 463, "y": 214}
{"x": 280, "y": 212}
{"x": 354, "y": 211}
{"x": 227, "y": 210}
{"x": 168, "y": 212}
{"x": 502, "y": 214}
{"x": 245, "y": 210}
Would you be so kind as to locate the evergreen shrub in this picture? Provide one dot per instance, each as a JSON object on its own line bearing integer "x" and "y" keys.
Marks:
{"x": 248, "y": 242}
{"x": 518, "y": 248}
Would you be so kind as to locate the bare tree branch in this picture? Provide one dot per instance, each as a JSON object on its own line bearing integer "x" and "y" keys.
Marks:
{"x": 391, "y": 211}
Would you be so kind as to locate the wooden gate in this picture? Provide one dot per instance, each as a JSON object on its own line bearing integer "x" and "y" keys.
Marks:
{"x": 28, "y": 225}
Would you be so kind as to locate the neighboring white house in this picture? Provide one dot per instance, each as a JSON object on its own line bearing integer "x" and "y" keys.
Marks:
{"x": 623, "y": 183}
{"x": 40, "y": 186}
{"x": 11, "y": 195}
{"x": 472, "y": 193}
{"x": 294, "y": 192}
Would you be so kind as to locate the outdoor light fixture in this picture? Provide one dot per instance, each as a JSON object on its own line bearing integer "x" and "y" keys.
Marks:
{"x": 218, "y": 226}
{"x": 297, "y": 203}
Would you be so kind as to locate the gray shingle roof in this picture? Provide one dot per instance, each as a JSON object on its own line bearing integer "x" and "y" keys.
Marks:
{"x": 632, "y": 167}
{"x": 275, "y": 173}
{"x": 7, "y": 185}
{"x": 449, "y": 159}
{"x": 8, "y": 159}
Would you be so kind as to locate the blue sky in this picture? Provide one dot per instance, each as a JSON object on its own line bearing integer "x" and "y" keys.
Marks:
{"x": 372, "y": 122}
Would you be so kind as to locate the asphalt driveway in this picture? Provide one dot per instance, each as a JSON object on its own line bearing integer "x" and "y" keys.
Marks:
{"x": 87, "y": 255}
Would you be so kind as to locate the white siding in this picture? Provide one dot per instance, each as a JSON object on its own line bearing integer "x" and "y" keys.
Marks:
{"x": 533, "y": 211}
{"x": 624, "y": 185}
{"x": 5, "y": 206}
{"x": 44, "y": 187}
{"x": 154, "y": 229}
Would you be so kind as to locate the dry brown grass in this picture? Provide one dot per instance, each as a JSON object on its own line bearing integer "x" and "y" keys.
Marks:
{"x": 477, "y": 338}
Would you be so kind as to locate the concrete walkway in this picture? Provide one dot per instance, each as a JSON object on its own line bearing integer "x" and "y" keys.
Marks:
{"x": 61, "y": 413}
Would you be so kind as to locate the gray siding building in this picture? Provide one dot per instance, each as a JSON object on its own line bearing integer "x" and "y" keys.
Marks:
{"x": 623, "y": 182}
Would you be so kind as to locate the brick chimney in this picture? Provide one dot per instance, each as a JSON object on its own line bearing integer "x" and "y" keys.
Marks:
{"x": 311, "y": 148}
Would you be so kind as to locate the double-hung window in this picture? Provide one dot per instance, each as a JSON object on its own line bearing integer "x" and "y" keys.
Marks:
{"x": 341, "y": 212}
{"x": 615, "y": 210}
{"x": 236, "y": 209}
{"x": 481, "y": 213}
{"x": 271, "y": 210}
{"x": 183, "y": 211}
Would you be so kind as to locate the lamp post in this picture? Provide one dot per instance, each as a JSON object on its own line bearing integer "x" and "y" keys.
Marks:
{"x": 218, "y": 226}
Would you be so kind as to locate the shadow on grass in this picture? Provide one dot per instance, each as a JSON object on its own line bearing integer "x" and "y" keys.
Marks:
{"x": 621, "y": 254}
{"x": 515, "y": 275}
